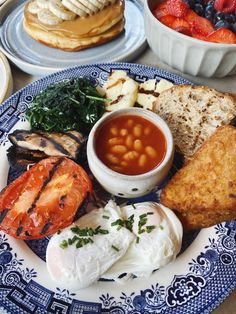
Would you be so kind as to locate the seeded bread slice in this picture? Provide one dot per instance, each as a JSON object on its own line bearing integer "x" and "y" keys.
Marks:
{"x": 193, "y": 113}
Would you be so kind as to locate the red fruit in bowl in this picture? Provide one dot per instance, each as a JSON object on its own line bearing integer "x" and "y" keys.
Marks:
{"x": 222, "y": 35}
{"x": 181, "y": 26}
{"x": 225, "y": 6}
{"x": 190, "y": 17}
{"x": 168, "y": 20}
{"x": 202, "y": 26}
{"x": 177, "y": 8}
{"x": 160, "y": 10}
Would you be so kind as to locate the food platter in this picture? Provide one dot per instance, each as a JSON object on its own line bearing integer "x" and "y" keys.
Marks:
{"x": 196, "y": 282}
{"x": 37, "y": 59}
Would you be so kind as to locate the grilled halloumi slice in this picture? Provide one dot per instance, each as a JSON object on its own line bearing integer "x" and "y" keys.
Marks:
{"x": 149, "y": 90}
{"x": 122, "y": 90}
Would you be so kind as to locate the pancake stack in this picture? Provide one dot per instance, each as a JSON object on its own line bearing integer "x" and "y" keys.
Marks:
{"x": 74, "y": 25}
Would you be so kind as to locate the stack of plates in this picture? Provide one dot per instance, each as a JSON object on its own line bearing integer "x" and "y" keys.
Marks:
{"x": 6, "y": 83}
{"x": 2, "y": 1}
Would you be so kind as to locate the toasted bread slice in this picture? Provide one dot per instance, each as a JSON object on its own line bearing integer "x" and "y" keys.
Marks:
{"x": 192, "y": 221}
{"x": 207, "y": 183}
{"x": 193, "y": 113}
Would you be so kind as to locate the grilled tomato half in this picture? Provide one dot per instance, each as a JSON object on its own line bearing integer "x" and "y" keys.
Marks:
{"x": 44, "y": 199}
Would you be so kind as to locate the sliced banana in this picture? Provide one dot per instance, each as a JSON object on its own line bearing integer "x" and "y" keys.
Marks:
{"x": 76, "y": 9}
{"x": 33, "y": 7}
{"x": 43, "y": 4}
{"x": 58, "y": 9}
{"x": 47, "y": 17}
{"x": 89, "y": 5}
{"x": 81, "y": 6}
{"x": 122, "y": 90}
{"x": 97, "y": 4}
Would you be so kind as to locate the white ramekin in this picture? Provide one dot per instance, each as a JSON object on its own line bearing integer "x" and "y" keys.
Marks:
{"x": 125, "y": 185}
{"x": 187, "y": 54}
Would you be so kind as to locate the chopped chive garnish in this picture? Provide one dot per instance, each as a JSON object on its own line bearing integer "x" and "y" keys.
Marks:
{"x": 105, "y": 217}
{"x": 115, "y": 248}
{"x": 141, "y": 231}
{"x": 150, "y": 228}
{"x": 118, "y": 228}
{"x": 137, "y": 240}
{"x": 64, "y": 244}
{"x": 161, "y": 227}
{"x": 143, "y": 216}
{"x": 103, "y": 231}
{"x": 69, "y": 241}
{"x": 59, "y": 231}
{"x": 97, "y": 229}
{"x": 150, "y": 213}
{"x": 90, "y": 232}
{"x": 79, "y": 244}
{"x": 133, "y": 206}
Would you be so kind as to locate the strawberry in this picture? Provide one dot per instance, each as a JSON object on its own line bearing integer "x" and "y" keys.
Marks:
{"x": 177, "y": 8}
{"x": 198, "y": 36}
{"x": 225, "y": 6}
{"x": 181, "y": 26}
{"x": 160, "y": 10}
{"x": 222, "y": 35}
{"x": 190, "y": 17}
{"x": 168, "y": 20}
{"x": 202, "y": 26}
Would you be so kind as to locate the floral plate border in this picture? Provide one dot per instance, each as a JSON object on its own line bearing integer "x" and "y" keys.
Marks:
{"x": 211, "y": 274}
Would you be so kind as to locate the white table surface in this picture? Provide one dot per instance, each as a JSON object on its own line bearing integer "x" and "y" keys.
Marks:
{"x": 227, "y": 84}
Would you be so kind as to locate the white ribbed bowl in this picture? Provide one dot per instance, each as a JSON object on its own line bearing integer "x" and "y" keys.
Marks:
{"x": 187, "y": 54}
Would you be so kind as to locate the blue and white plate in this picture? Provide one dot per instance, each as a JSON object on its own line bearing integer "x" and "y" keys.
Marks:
{"x": 199, "y": 279}
{"x": 38, "y": 59}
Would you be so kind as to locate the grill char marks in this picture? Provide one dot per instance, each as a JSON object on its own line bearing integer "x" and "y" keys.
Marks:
{"x": 46, "y": 143}
{"x": 3, "y": 214}
{"x": 45, "y": 182}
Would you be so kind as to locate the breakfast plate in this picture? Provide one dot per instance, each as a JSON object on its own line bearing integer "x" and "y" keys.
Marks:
{"x": 6, "y": 83}
{"x": 199, "y": 279}
{"x": 37, "y": 59}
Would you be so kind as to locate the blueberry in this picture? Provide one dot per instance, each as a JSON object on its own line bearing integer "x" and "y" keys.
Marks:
{"x": 222, "y": 24}
{"x": 190, "y": 3}
{"x": 209, "y": 15}
{"x": 198, "y": 8}
{"x": 219, "y": 16}
{"x": 230, "y": 18}
{"x": 233, "y": 27}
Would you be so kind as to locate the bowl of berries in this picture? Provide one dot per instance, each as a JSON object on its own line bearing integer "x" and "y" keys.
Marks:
{"x": 197, "y": 37}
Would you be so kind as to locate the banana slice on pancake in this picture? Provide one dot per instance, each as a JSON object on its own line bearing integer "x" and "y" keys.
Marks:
{"x": 47, "y": 17}
{"x": 43, "y": 4}
{"x": 58, "y": 9}
{"x": 33, "y": 7}
{"x": 77, "y": 9}
{"x": 81, "y": 6}
{"x": 97, "y": 4}
{"x": 89, "y": 5}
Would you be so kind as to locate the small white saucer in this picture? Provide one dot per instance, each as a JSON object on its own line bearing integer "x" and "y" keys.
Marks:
{"x": 6, "y": 82}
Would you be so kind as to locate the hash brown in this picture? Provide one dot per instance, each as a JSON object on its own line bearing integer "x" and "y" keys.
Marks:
{"x": 205, "y": 188}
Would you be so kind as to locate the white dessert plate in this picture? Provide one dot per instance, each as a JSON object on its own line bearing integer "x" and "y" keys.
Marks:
{"x": 6, "y": 84}
{"x": 38, "y": 59}
{"x": 199, "y": 279}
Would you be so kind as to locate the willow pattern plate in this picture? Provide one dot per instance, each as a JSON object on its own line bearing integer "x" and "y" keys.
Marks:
{"x": 199, "y": 279}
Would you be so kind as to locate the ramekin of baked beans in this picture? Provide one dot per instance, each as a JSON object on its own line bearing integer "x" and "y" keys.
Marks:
{"x": 130, "y": 151}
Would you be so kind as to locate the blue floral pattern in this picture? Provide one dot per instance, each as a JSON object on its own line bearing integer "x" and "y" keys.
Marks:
{"x": 211, "y": 273}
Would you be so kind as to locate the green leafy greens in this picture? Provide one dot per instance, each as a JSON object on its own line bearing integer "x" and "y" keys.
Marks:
{"x": 68, "y": 105}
